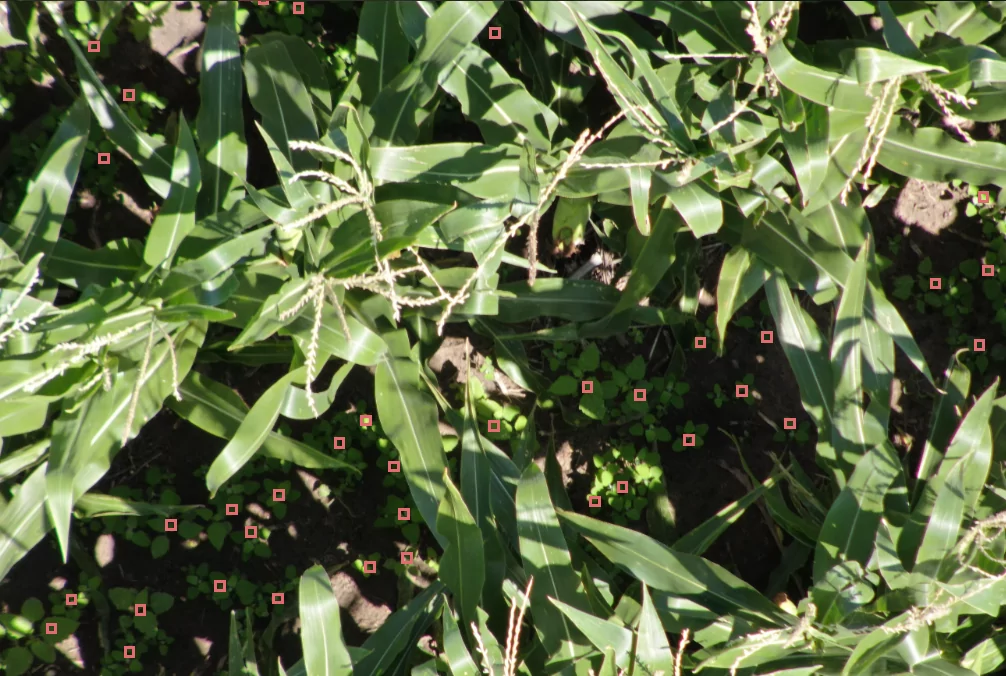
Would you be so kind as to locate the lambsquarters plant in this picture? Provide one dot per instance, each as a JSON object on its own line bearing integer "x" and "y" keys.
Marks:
{"x": 726, "y": 127}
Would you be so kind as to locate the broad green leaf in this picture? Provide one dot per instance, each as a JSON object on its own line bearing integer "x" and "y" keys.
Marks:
{"x": 297, "y": 406}
{"x": 987, "y": 656}
{"x": 462, "y": 567}
{"x": 266, "y": 320}
{"x": 805, "y": 257}
{"x": 958, "y": 484}
{"x": 77, "y": 266}
{"x": 502, "y": 108}
{"x": 296, "y": 192}
{"x": 897, "y": 38}
{"x": 399, "y": 632}
{"x": 448, "y": 32}
{"x": 853, "y": 432}
{"x": 219, "y": 410}
{"x": 742, "y": 275}
{"x": 930, "y": 154}
{"x": 488, "y": 477}
{"x": 653, "y": 653}
{"x": 967, "y": 21}
{"x": 22, "y": 416}
{"x": 943, "y": 420}
{"x": 659, "y": 567}
{"x": 150, "y": 154}
{"x": 603, "y": 634}
{"x": 305, "y": 60}
{"x": 485, "y": 172}
{"x": 458, "y": 658}
{"x": 700, "y": 207}
{"x": 36, "y": 225}
{"x": 547, "y": 559}
{"x": 874, "y": 65}
{"x": 278, "y": 93}
{"x": 251, "y": 434}
{"x": 85, "y": 439}
{"x": 835, "y": 90}
{"x": 653, "y": 260}
{"x": 805, "y": 130}
{"x": 364, "y": 347}
{"x": 325, "y": 652}
{"x": 850, "y": 527}
{"x": 220, "y": 122}
{"x": 569, "y": 299}
{"x": 409, "y": 418}
{"x": 14, "y": 462}
{"x": 630, "y": 98}
{"x": 177, "y": 216}
{"x": 807, "y": 352}
{"x": 23, "y": 520}
{"x": 700, "y": 538}
{"x": 94, "y": 505}
{"x": 381, "y": 48}
{"x": 219, "y": 259}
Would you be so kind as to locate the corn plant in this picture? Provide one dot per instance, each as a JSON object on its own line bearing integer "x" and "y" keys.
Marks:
{"x": 724, "y": 126}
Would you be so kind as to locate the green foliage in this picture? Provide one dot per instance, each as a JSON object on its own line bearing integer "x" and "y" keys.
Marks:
{"x": 405, "y": 169}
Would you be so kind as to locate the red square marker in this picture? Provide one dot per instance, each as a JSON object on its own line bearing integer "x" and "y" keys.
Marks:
{"x": 406, "y": 558}
{"x": 700, "y": 342}
{"x": 789, "y": 423}
{"x": 251, "y": 532}
{"x": 979, "y": 345}
{"x": 279, "y": 495}
{"x": 622, "y": 487}
{"x": 988, "y": 270}
{"x": 339, "y": 443}
{"x": 129, "y": 651}
{"x": 495, "y": 32}
{"x": 984, "y": 197}
{"x": 94, "y": 45}
{"x": 587, "y": 387}
{"x": 298, "y": 8}
{"x": 128, "y": 94}
{"x": 104, "y": 158}
{"x": 741, "y": 391}
{"x": 494, "y": 426}
{"x": 50, "y": 628}
{"x": 219, "y": 586}
{"x": 767, "y": 337}
{"x": 688, "y": 440}
{"x": 140, "y": 610}
{"x": 231, "y": 509}
{"x": 370, "y": 567}
{"x": 71, "y": 599}
{"x": 278, "y": 598}
{"x": 594, "y": 501}
{"x": 394, "y": 466}
{"x": 639, "y": 395}
{"x": 171, "y": 525}
{"x": 935, "y": 283}
{"x": 404, "y": 513}
{"x": 366, "y": 420}
{"x": 262, "y": 3}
